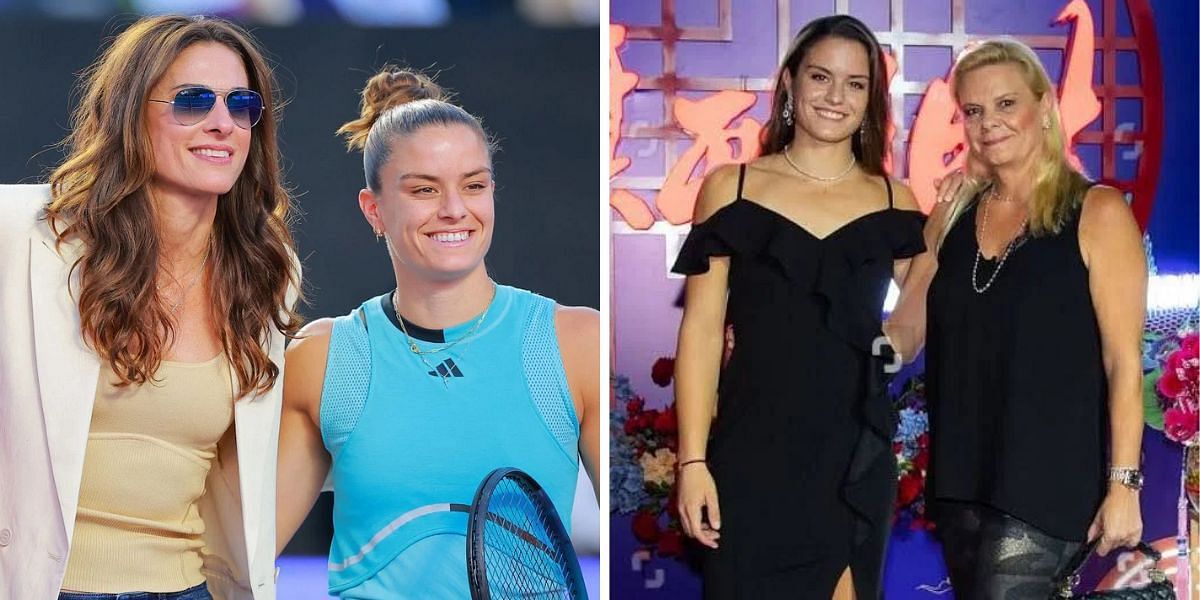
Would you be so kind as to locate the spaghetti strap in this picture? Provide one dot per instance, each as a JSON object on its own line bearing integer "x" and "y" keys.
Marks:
{"x": 888, "y": 182}
{"x": 741, "y": 179}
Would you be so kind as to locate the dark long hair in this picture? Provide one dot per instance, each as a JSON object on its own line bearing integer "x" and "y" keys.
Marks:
{"x": 99, "y": 196}
{"x": 870, "y": 146}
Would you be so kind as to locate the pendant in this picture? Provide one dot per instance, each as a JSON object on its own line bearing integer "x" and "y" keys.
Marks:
{"x": 414, "y": 348}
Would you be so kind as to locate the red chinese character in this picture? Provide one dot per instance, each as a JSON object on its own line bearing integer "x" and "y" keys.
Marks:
{"x": 937, "y": 131}
{"x": 621, "y": 82}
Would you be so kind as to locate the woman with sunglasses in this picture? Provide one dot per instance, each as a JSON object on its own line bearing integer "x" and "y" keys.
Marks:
{"x": 415, "y": 396}
{"x": 147, "y": 292}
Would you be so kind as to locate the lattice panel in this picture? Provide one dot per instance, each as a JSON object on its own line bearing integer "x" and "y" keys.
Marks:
{"x": 1120, "y": 147}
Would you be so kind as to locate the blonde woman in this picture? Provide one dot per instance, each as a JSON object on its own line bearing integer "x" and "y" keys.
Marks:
{"x": 1036, "y": 298}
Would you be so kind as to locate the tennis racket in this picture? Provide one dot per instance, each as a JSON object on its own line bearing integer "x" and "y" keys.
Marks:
{"x": 516, "y": 545}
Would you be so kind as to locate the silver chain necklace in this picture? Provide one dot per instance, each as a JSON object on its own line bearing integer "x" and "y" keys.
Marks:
{"x": 182, "y": 296}
{"x": 420, "y": 354}
{"x": 788, "y": 158}
{"x": 979, "y": 251}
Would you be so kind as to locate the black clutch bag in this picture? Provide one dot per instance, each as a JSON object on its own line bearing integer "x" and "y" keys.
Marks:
{"x": 1159, "y": 589}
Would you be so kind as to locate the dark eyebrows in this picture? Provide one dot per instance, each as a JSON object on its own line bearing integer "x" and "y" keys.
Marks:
{"x": 479, "y": 171}
{"x": 828, "y": 72}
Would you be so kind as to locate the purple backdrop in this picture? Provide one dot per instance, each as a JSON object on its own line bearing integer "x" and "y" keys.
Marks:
{"x": 723, "y": 45}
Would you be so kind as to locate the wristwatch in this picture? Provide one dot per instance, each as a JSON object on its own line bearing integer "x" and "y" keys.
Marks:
{"x": 1126, "y": 476}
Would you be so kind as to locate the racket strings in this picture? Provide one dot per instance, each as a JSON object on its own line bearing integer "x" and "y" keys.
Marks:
{"x": 522, "y": 557}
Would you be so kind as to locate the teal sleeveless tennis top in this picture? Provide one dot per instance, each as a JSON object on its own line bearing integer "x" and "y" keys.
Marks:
{"x": 411, "y": 437}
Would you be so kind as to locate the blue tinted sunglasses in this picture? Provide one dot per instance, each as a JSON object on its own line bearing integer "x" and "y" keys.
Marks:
{"x": 192, "y": 104}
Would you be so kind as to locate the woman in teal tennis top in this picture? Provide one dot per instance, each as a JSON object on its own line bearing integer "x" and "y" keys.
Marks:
{"x": 414, "y": 397}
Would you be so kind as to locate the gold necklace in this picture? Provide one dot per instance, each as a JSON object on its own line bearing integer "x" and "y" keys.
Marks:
{"x": 420, "y": 354}
{"x": 846, "y": 171}
{"x": 186, "y": 289}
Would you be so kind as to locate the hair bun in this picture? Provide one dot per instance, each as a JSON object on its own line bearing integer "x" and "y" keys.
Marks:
{"x": 392, "y": 86}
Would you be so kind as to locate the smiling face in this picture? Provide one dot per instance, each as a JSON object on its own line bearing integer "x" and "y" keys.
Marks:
{"x": 436, "y": 202}
{"x": 202, "y": 160}
{"x": 1002, "y": 117}
{"x": 830, "y": 89}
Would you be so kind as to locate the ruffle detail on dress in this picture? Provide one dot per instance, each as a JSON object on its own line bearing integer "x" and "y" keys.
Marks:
{"x": 869, "y": 486}
{"x": 735, "y": 230}
{"x": 847, "y": 275}
{"x": 907, "y": 237}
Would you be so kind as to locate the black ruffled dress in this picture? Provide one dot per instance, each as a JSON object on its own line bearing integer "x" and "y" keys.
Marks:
{"x": 801, "y": 447}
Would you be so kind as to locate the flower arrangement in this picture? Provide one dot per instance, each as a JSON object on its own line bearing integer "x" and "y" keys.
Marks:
{"x": 1171, "y": 396}
{"x": 643, "y": 443}
{"x": 911, "y": 446}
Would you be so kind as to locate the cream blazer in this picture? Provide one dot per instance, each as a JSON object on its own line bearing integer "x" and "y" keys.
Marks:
{"x": 47, "y": 387}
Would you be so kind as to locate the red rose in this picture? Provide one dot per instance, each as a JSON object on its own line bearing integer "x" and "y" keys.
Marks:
{"x": 910, "y": 488}
{"x": 923, "y": 440}
{"x": 645, "y": 527}
{"x": 663, "y": 371}
{"x": 921, "y": 460}
{"x": 631, "y": 426}
{"x": 670, "y": 544}
{"x": 665, "y": 421}
{"x": 646, "y": 420}
{"x": 897, "y": 447}
{"x": 634, "y": 406}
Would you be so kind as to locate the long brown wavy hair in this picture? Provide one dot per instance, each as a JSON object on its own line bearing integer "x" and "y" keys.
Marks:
{"x": 870, "y": 146}
{"x": 99, "y": 196}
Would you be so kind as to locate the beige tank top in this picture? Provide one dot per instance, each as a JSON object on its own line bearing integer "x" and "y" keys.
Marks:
{"x": 149, "y": 451}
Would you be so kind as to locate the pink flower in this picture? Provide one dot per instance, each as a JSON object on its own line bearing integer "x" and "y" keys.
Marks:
{"x": 1180, "y": 425}
{"x": 1190, "y": 346}
{"x": 1181, "y": 375}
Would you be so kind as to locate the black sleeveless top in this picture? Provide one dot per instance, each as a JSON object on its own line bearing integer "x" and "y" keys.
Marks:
{"x": 1015, "y": 381}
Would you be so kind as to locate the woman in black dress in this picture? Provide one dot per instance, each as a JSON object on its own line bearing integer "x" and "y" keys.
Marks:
{"x": 1034, "y": 342}
{"x": 797, "y": 249}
